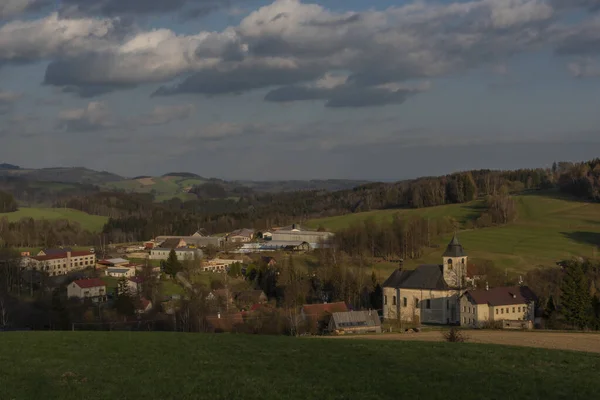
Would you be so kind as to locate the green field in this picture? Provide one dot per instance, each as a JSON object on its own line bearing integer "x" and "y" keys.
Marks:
{"x": 164, "y": 188}
{"x": 93, "y": 223}
{"x": 548, "y": 229}
{"x": 153, "y": 365}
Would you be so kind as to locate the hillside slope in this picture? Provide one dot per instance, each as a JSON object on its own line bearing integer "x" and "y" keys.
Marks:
{"x": 152, "y": 365}
{"x": 548, "y": 229}
{"x": 92, "y": 223}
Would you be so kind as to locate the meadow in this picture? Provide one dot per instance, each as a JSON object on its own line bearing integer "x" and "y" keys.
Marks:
{"x": 549, "y": 228}
{"x": 164, "y": 188}
{"x": 163, "y": 365}
{"x": 92, "y": 223}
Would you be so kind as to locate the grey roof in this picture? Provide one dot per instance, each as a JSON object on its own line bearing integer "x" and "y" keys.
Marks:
{"x": 454, "y": 249}
{"x": 428, "y": 276}
{"x": 355, "y": 318}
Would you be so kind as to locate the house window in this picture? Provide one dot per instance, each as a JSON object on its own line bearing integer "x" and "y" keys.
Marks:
{"x": 428, "y": 304}
{"x": 394, "y": 300}
{"x": 502, "y": 310}
{"x": 496, "y": 311}
{"x": 385, "y": 300}
{"x": 513, "y": 309}
{"x": 404, "y": 301}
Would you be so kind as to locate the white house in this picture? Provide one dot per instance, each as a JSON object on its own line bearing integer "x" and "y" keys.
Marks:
{"x": 120, "y": 272}
{"x": 94, "y": 289}
{"x": 161, "y": 253}
{"x": 59, "y": 262}
{"x": 483, "y": 307}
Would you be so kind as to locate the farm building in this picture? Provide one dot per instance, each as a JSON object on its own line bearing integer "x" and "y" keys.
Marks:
{"x": 295, "y": 233}
{"x": 240, "y": 236}
{"x": 355, "y": 322}
{"x": 161, "y": 253}
{"x": 120, "y": 272}
{"x": 483, "y": 306}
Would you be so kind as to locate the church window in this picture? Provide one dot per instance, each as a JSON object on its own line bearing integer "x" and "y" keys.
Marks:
{"x": 385, "y": 300}
{"x": 450, "y": 264}
{"x": 404, "y": 301}
{"x": 464, "y": 308}
{"x": 394, "y": 300}
{"x": 463, "y": 261}
{"x": 417, "y": 303}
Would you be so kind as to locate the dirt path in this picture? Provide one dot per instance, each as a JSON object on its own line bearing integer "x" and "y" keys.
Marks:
{"x": 549, "y": 340}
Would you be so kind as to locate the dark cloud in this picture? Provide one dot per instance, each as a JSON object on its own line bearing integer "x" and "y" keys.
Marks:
{"x": 345, "y": 95}
{"x": 581, "y": 40}
{"x": 242, "y": 78}
{"x": 591, "y": 5}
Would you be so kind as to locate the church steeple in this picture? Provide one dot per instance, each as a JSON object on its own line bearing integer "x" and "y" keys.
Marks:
{"x": 455, "y": 263}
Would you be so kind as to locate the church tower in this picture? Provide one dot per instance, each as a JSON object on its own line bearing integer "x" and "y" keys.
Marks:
{"x": 455, "y": 264}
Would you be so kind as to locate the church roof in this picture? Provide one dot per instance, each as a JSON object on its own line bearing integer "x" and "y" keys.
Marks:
{"x": 454, "y": 249}
{"x": 428, "y": 276}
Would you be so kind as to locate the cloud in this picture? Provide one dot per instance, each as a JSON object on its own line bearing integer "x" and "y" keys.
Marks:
{"x": 50, "y": 37}
{"x": 162, "y": 115}
{"x": 585, "y": 68}
{"x": 94, "y": 117}
{"x": 11, "y": 8}
{"x": 7, "y": 100}
{"x": 590, "y": 5}
{"x": 583, "y": 39}
{"x": 145, "y": 57}
{"x": 286, "y": 45}
{"x": 345, "y": 94}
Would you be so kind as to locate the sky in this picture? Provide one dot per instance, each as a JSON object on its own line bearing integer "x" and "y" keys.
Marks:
{"x": 289, "y": 89}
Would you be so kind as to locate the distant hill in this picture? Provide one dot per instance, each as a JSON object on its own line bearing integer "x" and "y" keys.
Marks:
{"x": 65, "y": 175}
{"x": 183, "y": 175}
{"x": 9, "y": 166}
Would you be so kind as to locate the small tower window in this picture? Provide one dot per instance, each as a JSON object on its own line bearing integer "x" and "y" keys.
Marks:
{"x": 450, "y": 264}
{"x": 463, "y": 261}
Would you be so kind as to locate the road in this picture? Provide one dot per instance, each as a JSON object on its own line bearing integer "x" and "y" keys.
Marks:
{"x": 589, "y": 342}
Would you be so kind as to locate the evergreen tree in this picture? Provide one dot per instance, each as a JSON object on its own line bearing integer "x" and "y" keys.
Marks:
{"x": 596, "y": 312}
{"x": 172, "y": 266}
{"x": 125, "y": 302}
{"x": 575, "y": 298}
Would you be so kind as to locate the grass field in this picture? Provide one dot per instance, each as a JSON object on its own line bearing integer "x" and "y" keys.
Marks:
{"x": 93, "y": 223}
{"x": 119, "y": 365}
{"x": 548, "y": 229}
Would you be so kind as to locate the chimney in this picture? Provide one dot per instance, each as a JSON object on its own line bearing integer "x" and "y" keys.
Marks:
{"x": 487, "y": 286}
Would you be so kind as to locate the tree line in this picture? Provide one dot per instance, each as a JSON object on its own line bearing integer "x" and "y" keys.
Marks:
{"x": 29, "y": 232}
{"x": 137, "y": 217}
{"x": 569, "y": 294}
{"x": 580, "y": 179}
{"x": 7, "y": 203}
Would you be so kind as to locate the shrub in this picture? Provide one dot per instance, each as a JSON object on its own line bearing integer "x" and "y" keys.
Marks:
{"x": 454, "y": 335}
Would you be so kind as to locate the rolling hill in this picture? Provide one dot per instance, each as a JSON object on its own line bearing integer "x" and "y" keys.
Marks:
{"x": 548, "y": 229}
{"x": 161, "y": 365}
{"x": 92, "y": 223}
{"x": 65, "y": 175}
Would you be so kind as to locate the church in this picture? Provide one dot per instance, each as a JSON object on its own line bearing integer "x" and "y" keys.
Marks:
{"x": 431, "y": 292}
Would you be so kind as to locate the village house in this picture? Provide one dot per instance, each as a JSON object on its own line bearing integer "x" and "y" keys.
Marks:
{"x": 248, "y": 298}
{"x": 315, "y": 317}
{"x": 143, "y": 306}
{"x": 183, "y": 254}
{"x": 134, "y": 284}
{"x": 54, "y": 252}
{"x": 112, "y": 262}
{"x": 217, "y": 265}
{"x": 240, "y": 236}
{"x": 198, "y": 240}
{"x": 59, "y": 262}
{"x": 430, "y": 293}
{"x": 93, "y": 289}
{"x": 297, "y": 234}
{"x": 220, "y": 323}
{"x": 354, "y": 322}
{"x": 120, "y": 272}
{"x": 511, "y": 306}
